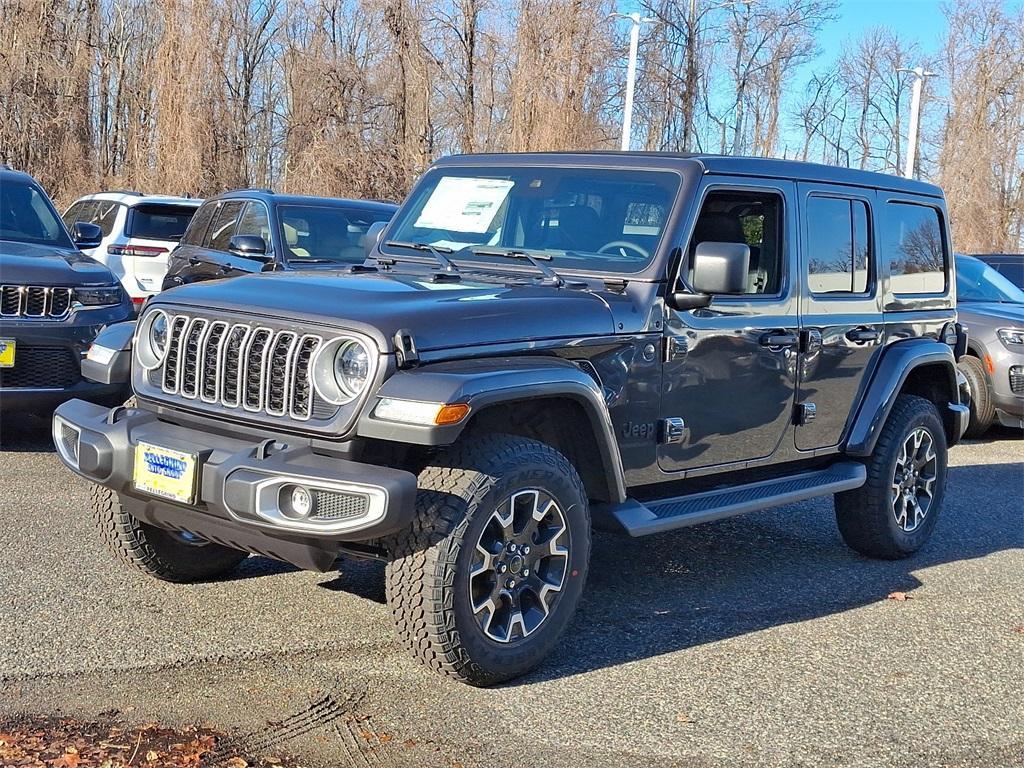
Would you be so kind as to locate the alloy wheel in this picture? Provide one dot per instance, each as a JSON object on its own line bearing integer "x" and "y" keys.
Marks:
{"x": 913, "y": 482}
{"x": 520, "y": 565}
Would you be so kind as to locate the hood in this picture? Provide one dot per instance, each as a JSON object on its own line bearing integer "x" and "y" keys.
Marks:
{"x": 439, "y": 315}
{"x": 30, "y": 264}
{"x": 990, "y": 313}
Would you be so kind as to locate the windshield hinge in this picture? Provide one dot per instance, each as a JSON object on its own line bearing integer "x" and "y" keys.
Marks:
{"x": 405, "y": 350}
{"x": 612, "y": 284}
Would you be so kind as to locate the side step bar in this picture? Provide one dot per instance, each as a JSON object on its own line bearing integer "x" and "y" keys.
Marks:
{"x": 641, "y": 519}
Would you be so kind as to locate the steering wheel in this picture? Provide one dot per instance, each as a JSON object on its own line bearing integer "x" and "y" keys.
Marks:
{"x": 622, "y": 244}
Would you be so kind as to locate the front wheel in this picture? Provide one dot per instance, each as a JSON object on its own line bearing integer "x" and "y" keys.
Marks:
{"x": 893, "y": 514}
{"x": 485, "y": 581}
{"x": 983, "y": 411}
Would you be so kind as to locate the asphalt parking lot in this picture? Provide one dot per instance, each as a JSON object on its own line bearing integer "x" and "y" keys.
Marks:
{"x": 754, "y": 641}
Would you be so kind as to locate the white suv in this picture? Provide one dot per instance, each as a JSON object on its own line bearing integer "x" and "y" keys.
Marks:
{"x": 139, "y": 231}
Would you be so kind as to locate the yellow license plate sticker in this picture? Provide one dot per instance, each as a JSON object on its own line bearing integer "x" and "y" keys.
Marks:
{"x": 7, "y": 353}
{"x": 165, "y": 472}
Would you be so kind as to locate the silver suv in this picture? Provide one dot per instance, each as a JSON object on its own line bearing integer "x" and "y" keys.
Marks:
{"x": 992, "y": 309}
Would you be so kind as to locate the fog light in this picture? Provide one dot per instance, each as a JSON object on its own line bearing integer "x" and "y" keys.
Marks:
{"x": 295, "y": 501}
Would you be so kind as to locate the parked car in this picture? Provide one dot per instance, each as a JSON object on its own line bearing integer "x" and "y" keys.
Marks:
{"x": 992, "y": 309}
{"x": 139, "y": 232}
{"x": 1009, "y": 265}
{"x": 649, "y": 340}
{"x": 254, "y": 230}
{"x": 53, "y": 301}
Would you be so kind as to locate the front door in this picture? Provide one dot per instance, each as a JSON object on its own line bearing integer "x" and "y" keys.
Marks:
{"x": 841, "y": 329}
{"x": 730, "y": 368}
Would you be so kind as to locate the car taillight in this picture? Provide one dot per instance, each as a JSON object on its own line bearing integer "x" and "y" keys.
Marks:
{"x": 136, "y": 250}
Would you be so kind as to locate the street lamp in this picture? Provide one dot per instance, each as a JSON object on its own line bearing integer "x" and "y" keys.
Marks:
{"x": 636, "y": 21}
{"x": 915, "y": 114}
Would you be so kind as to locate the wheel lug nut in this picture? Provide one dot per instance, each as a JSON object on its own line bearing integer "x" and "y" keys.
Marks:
{"x": 512, "y": 548}
{"x": 502, "y": 568}
{"x": 526, "y": 571}
{"x": 526, "y": 550}
{"x": 510, "y": 583}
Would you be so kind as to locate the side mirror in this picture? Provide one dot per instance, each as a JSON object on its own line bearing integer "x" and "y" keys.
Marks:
{"x": 372, "y": 236}
{"x": 720, "y": 268}
{"x": 86, "y": 235}
{"x": 250, "y": 247}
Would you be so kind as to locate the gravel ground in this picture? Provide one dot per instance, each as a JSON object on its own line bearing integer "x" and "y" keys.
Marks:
{"x": 754, "y": 641}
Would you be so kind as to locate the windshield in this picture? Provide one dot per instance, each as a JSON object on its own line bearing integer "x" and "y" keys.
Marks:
{"x": 326, "y": 233}
{"x": 592, "y": 220}
{"x": 977, "y": 281}
{"x": 26, "y": 216}
{"x": 160, "y": 222}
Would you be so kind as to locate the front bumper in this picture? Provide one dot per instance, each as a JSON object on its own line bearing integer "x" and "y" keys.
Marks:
{"x": 48, "y": 357}
{"x": 1008, "y": 388}
{"x": 238, "y": 479}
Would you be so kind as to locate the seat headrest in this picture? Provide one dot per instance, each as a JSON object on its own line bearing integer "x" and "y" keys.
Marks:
{"x": 718, "y": 227}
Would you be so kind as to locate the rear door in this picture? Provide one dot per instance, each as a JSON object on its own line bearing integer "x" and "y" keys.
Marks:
{"x": 209, "y": 259}
{"x": 841, "y": 328}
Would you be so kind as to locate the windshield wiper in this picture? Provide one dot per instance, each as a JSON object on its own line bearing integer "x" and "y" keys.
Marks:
{"x": 536, "y": 260}
{"x": 446, "y": 264}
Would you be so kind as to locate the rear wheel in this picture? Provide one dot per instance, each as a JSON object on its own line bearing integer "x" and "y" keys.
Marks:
{"x": 485, "y": 581}
{"x": 983, "y": 411}
{"x": 893, "y": 514}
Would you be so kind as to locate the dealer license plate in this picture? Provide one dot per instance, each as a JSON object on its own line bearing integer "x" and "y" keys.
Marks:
{"x": 165, "y": 472}
{"x": 7, "y": 353}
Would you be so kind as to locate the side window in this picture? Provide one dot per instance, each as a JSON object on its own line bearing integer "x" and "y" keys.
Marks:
{"x": 753, "y": 219}
{"x": 223, "y": 226}
{"x": 255, "y": 221}
{"x": 912, "y": 242}
{"x": 82, "y": 211}
{"x": 196, "y": 231}
{"x": 106, "y": 215}
{"x": 838, "y": 245}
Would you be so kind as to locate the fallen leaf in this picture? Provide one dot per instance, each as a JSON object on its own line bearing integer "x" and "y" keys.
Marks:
{"x": 900, "y": 596}
{"x": 1019, "y": 630}
{"x": 151, "y": 756}
{"x": 682, "y": 717}
{"x": 67, "y": 760}
{"x": 236, "y": 762}
{"x": 384, "y": 738}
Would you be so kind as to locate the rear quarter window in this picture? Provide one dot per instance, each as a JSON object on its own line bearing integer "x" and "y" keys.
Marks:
{"x": 914, "y": 246}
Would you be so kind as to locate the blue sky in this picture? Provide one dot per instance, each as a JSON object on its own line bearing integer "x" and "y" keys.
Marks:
{"x": 920, "y": 20}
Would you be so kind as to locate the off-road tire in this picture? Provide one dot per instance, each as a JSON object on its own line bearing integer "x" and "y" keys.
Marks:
{"x": 983, "y": 411}
{"x": 865, "y": 515}
{"x": 154, "y": 551}
{"x": 427, "y": 577}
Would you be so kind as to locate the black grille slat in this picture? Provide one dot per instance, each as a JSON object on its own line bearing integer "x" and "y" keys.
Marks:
{"x": 170, "y": 380}
{"x": 302, "y": 383}
{"x": 35, "y": 302}
{"x": 210, "y": 363}
{"x": 10, "y": 300}
{"x": 190, "y": 358}
{"x": 60, "y": 302}
{"x": 255, "y": 362}
{"x": 232, "y": 365}
{"x": 1017, "y": 380}
{"x": 278, "y": 382}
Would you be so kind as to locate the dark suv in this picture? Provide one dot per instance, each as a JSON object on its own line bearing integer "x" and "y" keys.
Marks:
{"x": 53, "y": 301}
{"x": 258, "y": 231}
{"x": 541, "y": 341}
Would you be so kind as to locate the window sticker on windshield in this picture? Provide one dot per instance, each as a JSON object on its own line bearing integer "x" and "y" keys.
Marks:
{"x": 464, "y": 204}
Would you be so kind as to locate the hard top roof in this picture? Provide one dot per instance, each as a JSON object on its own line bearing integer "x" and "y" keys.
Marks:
{"x": 269, "y": 196}
{"x": 712, "y": 164}
{"x": 137, "y": 198}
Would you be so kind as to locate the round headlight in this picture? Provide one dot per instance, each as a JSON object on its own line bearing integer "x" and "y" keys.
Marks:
{"x": 152, "y": 339}
{"x": 158, "y": 334}
{"x": 351, "y": 368}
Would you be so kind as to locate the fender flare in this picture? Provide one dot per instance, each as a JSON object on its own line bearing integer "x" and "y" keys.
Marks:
{"x": 897, "y": 362}
{"x": 484, "y": 383}
{"x": 117, "y": 369}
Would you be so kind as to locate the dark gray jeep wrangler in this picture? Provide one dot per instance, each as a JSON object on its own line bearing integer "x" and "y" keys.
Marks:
{"x": 538, "y": 344}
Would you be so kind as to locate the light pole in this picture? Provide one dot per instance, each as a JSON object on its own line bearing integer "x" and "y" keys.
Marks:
{"x": 915, "y": 115}
{"x": 636, "y": 21}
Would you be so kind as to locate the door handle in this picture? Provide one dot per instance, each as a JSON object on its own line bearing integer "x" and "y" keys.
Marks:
{"x": 863, "y": 335}
{"x": 779, "y": 339}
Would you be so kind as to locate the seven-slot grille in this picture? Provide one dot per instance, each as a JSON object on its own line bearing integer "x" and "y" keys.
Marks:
{"x": 240, "y": 366}
{"x": 34, "y": 301}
